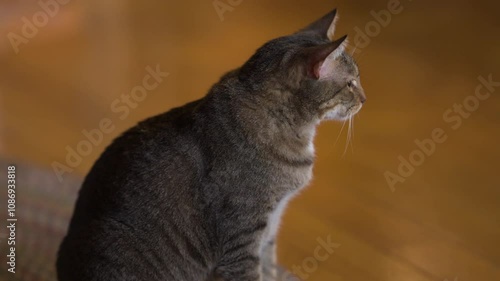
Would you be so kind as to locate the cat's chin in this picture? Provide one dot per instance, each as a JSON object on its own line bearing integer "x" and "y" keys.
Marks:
{"x": 343, "y": 114}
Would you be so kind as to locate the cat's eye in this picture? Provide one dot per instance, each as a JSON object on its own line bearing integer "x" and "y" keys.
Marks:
{"x": 352, "y": 83}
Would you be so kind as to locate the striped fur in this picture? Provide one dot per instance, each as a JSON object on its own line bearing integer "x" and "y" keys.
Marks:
{"x": 197, "y": 193}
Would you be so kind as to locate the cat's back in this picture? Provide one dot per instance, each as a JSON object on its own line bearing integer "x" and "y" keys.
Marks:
{"x": 140, "y": 189}
{"x": 160, "y": 157}
{"x": 160, "y": 151}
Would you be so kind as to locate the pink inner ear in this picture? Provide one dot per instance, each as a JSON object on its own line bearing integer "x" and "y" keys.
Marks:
{"x": 325, "y": 68}
{"x": 317, "y": 69}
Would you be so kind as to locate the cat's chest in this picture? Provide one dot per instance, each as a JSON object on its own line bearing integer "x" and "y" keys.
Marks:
{"x": 289, "y": 182}
{"x": 287, "y": 185}
{"x": 274, "y": 217}
{"x": 295, "y": 169}
{"x": 293, "y": 177}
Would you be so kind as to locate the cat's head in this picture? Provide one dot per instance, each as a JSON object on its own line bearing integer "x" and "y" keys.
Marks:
{"x": 308, "y": 71}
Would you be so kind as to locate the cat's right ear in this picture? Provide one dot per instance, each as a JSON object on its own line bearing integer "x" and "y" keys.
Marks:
{"x": 325, "y": 26}
{"x": 320, "y": 59}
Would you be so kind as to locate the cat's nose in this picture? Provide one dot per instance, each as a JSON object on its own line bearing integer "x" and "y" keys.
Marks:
{"x": 362, "y": 98}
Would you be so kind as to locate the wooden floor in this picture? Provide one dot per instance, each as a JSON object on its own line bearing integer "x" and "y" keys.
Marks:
{"x": 441, "y": 223}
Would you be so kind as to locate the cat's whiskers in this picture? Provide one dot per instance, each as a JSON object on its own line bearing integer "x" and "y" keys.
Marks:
{"x": 348, "y": 136}
{"x": 341, "y": 130}
{"x": 352, "y": 137}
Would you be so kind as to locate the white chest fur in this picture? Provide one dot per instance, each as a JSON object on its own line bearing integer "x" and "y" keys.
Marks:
{"x": 275, "y": 217}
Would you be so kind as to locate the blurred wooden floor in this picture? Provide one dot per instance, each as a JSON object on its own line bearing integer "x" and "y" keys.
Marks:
{"x": 442, "y": 223}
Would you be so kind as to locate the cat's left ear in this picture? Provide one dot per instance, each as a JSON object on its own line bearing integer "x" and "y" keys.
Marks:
{"x": 325, "y": 26}
{"x": 320, "y": 60}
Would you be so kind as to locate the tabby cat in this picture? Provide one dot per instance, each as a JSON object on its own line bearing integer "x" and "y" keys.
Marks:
{"x": 197, "y": 193}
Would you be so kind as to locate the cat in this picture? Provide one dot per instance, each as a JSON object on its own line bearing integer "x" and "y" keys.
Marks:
{"x": 197, "y": 193}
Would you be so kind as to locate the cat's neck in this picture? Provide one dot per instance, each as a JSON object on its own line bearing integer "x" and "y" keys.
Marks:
{"x": 278, "y": 127}
{"x": 268, "y": 117}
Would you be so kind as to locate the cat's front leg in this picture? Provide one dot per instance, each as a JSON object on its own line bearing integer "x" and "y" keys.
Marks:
{"x": 244, "y": 267}
{"x": 269, "y": 259}
{"x": 241, "y": 258}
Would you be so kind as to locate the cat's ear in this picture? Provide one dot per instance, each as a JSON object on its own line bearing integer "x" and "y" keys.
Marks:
{"x": 321, "y": 59}
{"x": 325, "y": 26}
